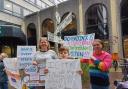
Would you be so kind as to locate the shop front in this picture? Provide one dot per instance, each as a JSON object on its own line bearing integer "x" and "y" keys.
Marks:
{"x": 10, "y": 37}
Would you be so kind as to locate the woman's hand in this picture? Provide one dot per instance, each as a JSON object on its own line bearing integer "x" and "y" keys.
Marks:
{"x": 93, "y": 58}
{"x": 45, "y": 70}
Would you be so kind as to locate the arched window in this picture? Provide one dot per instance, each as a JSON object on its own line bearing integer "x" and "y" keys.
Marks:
{"x": 96, "y": 22}
{"x": 48, "y": 26}
{"x": 31, "y": 34}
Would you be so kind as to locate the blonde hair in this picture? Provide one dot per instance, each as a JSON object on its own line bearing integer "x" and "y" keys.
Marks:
{"x": 4, "y": 55}
{"x": 45, "y": 38}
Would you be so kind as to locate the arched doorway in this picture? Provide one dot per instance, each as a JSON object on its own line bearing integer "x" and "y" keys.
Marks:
{"x": 31, "y": 34}
{"x": 124, "y": 23}
{"x": 71, "y": 28}
{"x": 48, "y": 26}
{"x": 97, "y": 22}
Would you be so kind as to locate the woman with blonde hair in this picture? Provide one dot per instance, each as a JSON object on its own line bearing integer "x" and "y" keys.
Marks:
{"x": 44, "y": 53}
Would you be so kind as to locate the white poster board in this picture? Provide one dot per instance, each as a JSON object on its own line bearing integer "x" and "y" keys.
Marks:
{"x": 62, "y": 74}
{"x": 25, "y": 55}
{"x": 12, "y": 68}
{"x": 35, "y": 76}
{"x": 64, "y": 23}
{"x": 80, "y": 46}
{"x": 53, "y": 38}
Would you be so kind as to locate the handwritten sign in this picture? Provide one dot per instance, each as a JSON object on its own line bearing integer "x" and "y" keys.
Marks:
{"x": 64, "y": 23}
{"x": 35, "y": 75}
{"x": 31, "y": 69}
{"x": 12, "y": 71}
{"x": 25, "y": 55}
{"x": 63, "y": 74}
{"x": 58, "y": 19}
{"x": 52, "y": 37}
{"x": 80, "y": 46}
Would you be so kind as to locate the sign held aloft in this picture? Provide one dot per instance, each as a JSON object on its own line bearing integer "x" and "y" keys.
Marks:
{"x": 25, "y": 55}
{"x": 53, "y": 38}
{"x": 64, "y": 23}
{"x": 80, "y": 46}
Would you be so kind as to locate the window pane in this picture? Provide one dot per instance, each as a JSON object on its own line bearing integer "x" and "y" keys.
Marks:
{"x": 51, "y": 1}
{"x": 43, "y": 5}
{"x": 7, "y": 6}
{"x": 38, "y": 3}
{"x": 16, "y": 10}
{"x": 25, "y": 12}
{"x": 32, "y": 1}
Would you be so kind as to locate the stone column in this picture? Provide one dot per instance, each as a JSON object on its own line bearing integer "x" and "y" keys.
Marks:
{"x": 81, "y": 29}
{"x": 115, "y": 28}
{"x": 38, "y": 32}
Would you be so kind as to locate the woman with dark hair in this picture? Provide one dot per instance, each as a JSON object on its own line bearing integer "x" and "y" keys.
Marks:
{"x": 99, "y": 65}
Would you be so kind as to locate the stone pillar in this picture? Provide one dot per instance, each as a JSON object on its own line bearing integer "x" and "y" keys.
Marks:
{"x": 38, "y": 32}
{"x": 81, "y": 29}
{"x": 115, "y": 28}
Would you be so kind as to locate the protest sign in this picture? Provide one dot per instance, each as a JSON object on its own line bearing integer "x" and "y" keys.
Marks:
{"x": 80, "y": 46}
{"x": 64, "y": 23}
{"x": 25, "y": 55}
{"x": 35, "y": 75}
{"x": 13, "y": 72}
{"x": 63, "y": 74}
{"x": 53, "y": 38}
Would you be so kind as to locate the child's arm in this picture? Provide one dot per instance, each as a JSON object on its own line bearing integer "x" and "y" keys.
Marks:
{"x": 80, "y": 72}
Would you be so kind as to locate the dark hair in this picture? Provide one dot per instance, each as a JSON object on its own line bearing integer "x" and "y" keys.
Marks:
{"x": 63, "y": 49}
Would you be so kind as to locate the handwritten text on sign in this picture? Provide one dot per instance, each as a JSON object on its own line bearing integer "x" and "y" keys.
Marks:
{"x": 64, "y": 23}
{"x": 80, "y": 46}
{"x": 25, "y": 55}
{"x": 53, "y": 38}
{"x": 63, "y": 74}
{"x": 12, "y": 71}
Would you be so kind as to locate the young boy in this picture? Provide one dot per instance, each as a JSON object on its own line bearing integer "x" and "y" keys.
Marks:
{"x": 64, "y": 53}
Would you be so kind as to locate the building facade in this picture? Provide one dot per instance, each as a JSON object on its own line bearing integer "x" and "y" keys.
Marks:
{"x": 12, "y": 26}
{"x": 106, "y": 18}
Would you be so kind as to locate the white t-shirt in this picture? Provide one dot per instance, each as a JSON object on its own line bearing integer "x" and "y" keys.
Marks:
{"x": 41, "y": 57}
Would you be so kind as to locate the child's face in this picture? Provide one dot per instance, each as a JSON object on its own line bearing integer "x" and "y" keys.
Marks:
{"x": 64, "y": 54}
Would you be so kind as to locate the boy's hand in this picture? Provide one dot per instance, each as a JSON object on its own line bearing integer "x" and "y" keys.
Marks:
{"x": 45, "y": 70}
{"x": 79, "y": 72}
